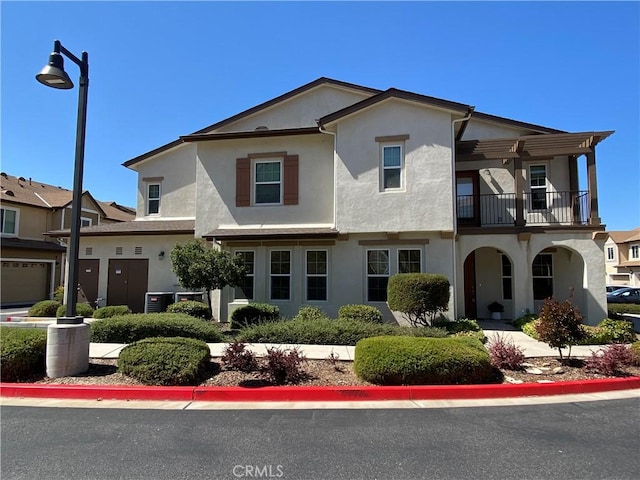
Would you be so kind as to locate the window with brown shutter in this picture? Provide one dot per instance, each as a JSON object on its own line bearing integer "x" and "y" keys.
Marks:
{"x": 291, "y": 180}
{"x": 243, "y": 182}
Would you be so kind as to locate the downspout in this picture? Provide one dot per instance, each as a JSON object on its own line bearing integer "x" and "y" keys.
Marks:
{"x": 454, "y": 202}
{"x": 335, "y": 167}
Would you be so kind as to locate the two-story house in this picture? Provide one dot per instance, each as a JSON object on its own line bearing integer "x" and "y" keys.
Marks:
{"x": 33, "y": 264}
{"x": 622, "y": 258}
{"x": 328, "y": 190}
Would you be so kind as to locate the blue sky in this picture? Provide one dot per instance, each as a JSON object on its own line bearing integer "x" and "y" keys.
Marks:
{"x": 163, "y": 69}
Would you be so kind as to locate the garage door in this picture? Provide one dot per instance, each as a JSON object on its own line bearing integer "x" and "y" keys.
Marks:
{"x": 25, "y": 282}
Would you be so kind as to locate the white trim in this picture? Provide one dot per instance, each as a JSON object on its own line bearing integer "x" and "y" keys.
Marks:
{"x": 403, "y": 248}
{"x": 147, "y": 199}
{"x": 532, "y": 188}
{"x": 316, "y": 275}
{"x": 635, "y": 246}
{"x": 254, "y": 174}
{"x": 252, "y": 275}
{"x": 375, "y": 275}
{"x": 90, "y": 220}
{"x": 383, "y": 146}
{"x": 613, "y": 249}
{"x": 533, "y": 277}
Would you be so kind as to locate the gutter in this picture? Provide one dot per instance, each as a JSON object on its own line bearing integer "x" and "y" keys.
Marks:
{"x": 322, "y": 129}
{"x": 454, "y": 263}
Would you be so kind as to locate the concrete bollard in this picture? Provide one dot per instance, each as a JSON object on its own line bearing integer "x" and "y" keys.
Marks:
{"x": 67, "y": 349}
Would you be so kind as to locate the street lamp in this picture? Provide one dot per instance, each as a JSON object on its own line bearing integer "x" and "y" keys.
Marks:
{"x": 53, "y": 75}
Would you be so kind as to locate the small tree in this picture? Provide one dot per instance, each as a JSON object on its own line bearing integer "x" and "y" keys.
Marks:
{"x": 419, "y": 296}
{"x": 560, "y": 325}
{"x": 199, "y": 267}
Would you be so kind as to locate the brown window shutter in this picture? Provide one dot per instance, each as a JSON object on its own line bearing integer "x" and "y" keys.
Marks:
{"x": 243, "y": 182}
{"x": 291, "y": 180}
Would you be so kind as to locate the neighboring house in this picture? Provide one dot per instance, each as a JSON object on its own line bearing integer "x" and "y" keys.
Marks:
{"x": 32, "y": 264}
{"x": 329, "y": 189}
{"x": 622, "y": 258}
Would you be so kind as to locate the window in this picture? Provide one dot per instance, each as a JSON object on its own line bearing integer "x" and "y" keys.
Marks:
{"x": 268, "y": 182}
{"x": 153, "y": 198}
{"x": 377, "y": 275}
{"x": 409, "y": 261}
{"x": 280, "y": 275}
{"x": 634, "y": 252}
{"x": 538, "y": 184}
{"x": 317, "y": 275}
{"x": 507, "y": 290}
{"x": 246, "y": 289}
{"x": 611, "y": 255}
{"x": 392, "y": 167}
{"x": 85, "y": 222}
{"x": 542, "y": 273}
{"x": 9, "y": 221}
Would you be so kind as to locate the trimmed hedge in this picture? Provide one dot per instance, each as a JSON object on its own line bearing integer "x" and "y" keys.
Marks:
{"x": 111, "y": 311}
{"x": 309, "y": 312}
{"x": 46, "y": 308}
{"x": 191, "y": 308}
{"x": 253, "y": 314}
{"x": 419, "y": 296}
{"x": 82, "y": 309}
{"x": 365, "y": 313}
{"x": 137, "y": 326}
{"x": 165, "y": 361}
{"x": 607, "y": 331}
{"x": 22, "y": 352}
{"x": 327, "y": 332}
{"x": 422, "y": 361}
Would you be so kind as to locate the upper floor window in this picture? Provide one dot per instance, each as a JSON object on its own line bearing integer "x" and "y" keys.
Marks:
{"x": 153, "y": 198}
{"x": 538, "y": 185}
{"x": 85, "y": 222}
{"x": 634, "y": 252}
{"x": 392, "y": 165}
{"x": 611, "y": 254}
{"x": 9, "y": 221}
{"x": 268, "y": 182}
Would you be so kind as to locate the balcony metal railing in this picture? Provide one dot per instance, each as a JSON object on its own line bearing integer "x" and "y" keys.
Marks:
{"x": 540, "y": 208}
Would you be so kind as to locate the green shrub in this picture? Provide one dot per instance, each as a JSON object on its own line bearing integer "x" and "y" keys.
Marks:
{"x": 617, "y": 309}
{"x": 459, "y": 325}
{"x": 419, "y": 296}
{"x": 137, "y": 326}
{"x": 22, "y": 352}
{"x": 530, "y": 328}
{"x": 46, "y": 308}
{"x": 165, "y": 361}
{"x": 521, "y": 321}
{"x": 253, "y": 314}
{"x": 422, "y": 361}
{"x": 609, "y": 331}
{"x": 111, "y": 311}
{"x": 560, "y": 325}
{"x": 58, "y": 294}
{"x": 191, "y": 308}
{"x": 309, "y": 312}
{"x": 635, "y": 348}
{"x": 366, "y": 313}
{"x": 82, "y": 310}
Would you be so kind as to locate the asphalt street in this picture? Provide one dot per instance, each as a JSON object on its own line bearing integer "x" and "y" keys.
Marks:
{"x": 580, "y": 440}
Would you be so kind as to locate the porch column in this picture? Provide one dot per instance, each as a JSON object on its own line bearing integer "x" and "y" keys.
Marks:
{"x": 519, "y": 184}
{"x": 573, "y": 189}
{"x": 594, "y": 218}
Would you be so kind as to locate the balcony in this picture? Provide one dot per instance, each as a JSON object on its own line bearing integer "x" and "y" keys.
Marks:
{"x": 538, "y": 208}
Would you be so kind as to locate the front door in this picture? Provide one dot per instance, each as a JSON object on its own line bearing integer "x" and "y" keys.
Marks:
{"x": 127, "y": 283}
{"x": 88, "y": 278}
{"x": 470, "y": 305}
{"x": 468, "y": 198}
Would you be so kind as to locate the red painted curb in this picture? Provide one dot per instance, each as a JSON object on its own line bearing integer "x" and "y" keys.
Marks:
{"x": 319, "y": 394}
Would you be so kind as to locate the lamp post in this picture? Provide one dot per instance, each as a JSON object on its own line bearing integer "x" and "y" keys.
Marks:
{"x": 53, "y": 75}
{"x": 68, "y": 339}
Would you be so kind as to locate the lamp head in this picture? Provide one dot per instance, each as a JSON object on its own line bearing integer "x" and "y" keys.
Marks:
{"x": 53, "y": 74}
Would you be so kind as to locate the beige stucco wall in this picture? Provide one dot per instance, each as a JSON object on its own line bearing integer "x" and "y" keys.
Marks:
{"x": 177, "y": 167}
{"x": 31, "y": 222}
{"x": 216, "y": 174}
{"x": 360, "y": 204}
{"x": 479, "y": 129}
{"x": 161, "y": 278}
{"x": 299, "y": 111}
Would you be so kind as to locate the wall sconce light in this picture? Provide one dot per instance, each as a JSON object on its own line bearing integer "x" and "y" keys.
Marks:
{"x": 161, "y": 255}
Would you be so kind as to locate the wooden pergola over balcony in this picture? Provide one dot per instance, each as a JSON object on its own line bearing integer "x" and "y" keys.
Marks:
{"x": 541, "y": 146}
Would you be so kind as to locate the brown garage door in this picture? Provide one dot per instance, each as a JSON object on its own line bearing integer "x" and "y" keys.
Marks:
{"x": 25, "y": 282}
{"x": 127, "y": 283}
{"x": 88, "y": 278}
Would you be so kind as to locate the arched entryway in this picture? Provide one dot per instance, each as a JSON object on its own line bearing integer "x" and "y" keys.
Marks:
{"x": 488, "y": 278}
